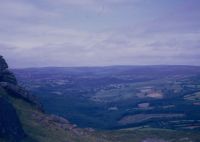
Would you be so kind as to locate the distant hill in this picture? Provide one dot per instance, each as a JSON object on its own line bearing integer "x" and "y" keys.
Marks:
{"x": 22, "y": 117}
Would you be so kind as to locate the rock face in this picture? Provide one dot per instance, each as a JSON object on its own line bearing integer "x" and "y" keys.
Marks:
{"x": 5, "y": 74}
{"x": 9, "y": 83}
{"x": 10, "y": 126}
{"x": 19, "y": 92}
{"x": 3, "y": 64}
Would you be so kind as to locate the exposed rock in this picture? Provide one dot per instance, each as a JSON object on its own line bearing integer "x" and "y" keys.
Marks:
{"x": 10, "y": 126}
{"x": 58, "y": 119}
{"x": 19, "y": 92}
{"x": 3, "y": 64}
{"x": 5, "y": 74}
{"x": 9, "y": 83}
{"x": 90, "y": 129}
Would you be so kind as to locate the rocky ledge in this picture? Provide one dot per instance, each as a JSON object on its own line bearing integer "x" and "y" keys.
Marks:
{"x": 10, "y": 126}
{"x": 5, "y": 74}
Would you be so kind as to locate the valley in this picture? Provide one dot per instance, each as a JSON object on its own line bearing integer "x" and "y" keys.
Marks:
{"x": 119, "y": 97}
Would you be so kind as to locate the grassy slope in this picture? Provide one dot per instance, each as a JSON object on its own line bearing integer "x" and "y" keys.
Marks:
{"x": 142, "y": 134}
{"x": 51, "y": 132}
{"x": 44, "y": 132}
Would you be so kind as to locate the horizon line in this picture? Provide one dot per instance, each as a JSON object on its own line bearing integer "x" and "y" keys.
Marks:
{"x": 103, "y": 66}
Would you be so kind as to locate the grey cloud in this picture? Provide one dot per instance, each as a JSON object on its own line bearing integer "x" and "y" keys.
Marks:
{"x": 40, "y": 35}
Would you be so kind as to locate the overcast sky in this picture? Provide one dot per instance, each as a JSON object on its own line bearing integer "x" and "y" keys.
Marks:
{"x": 36, "y": 33}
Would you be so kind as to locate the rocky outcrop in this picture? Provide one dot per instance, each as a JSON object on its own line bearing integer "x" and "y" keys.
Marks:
{"x": 10, "y": 126}
{"x": 3, "y": 64}
{"x": 19, "y": 92}
{"x": 9, "y": 83}
{"x": 5, "y": 74}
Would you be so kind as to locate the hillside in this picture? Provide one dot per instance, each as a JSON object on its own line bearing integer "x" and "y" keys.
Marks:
{"x": 22, "y": 119}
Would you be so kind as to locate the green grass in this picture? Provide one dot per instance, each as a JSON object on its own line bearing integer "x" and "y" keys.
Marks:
{"x": 141, "y": 134}
{"x": 44, "y": 131}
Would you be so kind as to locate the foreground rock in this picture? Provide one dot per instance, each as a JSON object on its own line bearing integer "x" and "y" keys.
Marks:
{"x": 5, "y": 74}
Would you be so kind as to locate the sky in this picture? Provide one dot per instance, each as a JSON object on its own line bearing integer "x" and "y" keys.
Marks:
{"x": 40, "y": 33}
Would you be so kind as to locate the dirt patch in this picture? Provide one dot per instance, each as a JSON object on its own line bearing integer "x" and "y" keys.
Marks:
{"x": 156, "y": 95}
{"x": 144, "y": 105}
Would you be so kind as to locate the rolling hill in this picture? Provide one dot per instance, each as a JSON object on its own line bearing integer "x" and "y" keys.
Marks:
{"x": 23, "y": 117}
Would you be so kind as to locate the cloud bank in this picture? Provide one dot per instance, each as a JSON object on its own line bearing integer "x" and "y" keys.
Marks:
{"x": 98, "y": 33}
